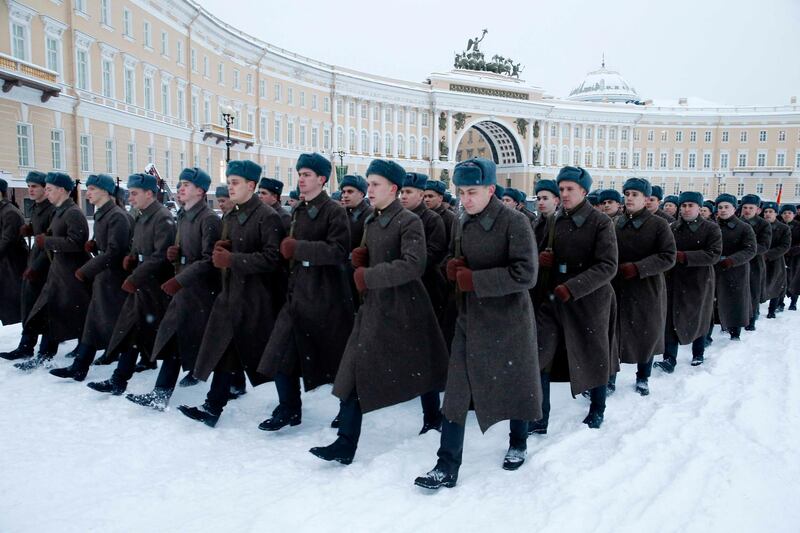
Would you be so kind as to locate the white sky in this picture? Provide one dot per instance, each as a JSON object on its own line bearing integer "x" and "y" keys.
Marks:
{"x": 727, "y": 51}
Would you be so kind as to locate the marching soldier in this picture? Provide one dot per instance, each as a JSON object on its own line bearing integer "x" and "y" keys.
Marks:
{"x": 732, "y": 292}
{"x": 515, "y": 199}
{"x": 774, "y": 258}
{"x": 751, "y": 207}
{"x": 354, "y": 191}
{"x": 788, "y": 214}
{"x": 38, "y": 265}
{"x": 690, "y": 283}
{"x": 13, "y": 257}
{"x": 103, "y": 272}
{"x": 192, "y": 290}
{"x": 646, "y": 249}
{"x": 653, "y": 204}
{"x": 611, "y": 202}
{"x": 434, "y": 200}
{"x": 547, "y": 201}
{"x": 148, "y": 268}
{"x": 294, "y": 199}
{"x": 269, "y": 192}
{"x": 395, "y": 351}
{"x": 243, "y": 314}
{"x": 312, "y": 327}
{"x": 670, "y": 205}
{"x": 223, "y": 199}
{"x": 411, "y": 198}
{"x": 494, "y": 366}
{"x": 60, "y": 309}
{"x": 707, "y": 210}
{"x": 576, "y": 319}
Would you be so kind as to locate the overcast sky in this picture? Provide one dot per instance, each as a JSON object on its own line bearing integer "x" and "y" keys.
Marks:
{"x": 727, "y": 51}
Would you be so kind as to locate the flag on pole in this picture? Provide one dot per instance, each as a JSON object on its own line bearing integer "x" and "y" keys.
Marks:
{"x": 780, "y": 191}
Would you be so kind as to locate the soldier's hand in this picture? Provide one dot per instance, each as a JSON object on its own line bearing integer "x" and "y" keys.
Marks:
{"x": 129, "y": 287}
{"x": 360, "y": 278}
{"x": 171, "y": 286}
{"x": 90, "y": 247}
{"x": 173, "y": 253}
{"x": 129, "y": 262}
{"x": 680, "y": 257}
{"x": 26, "y": 230}
{"x": 464, "y": 279}
{"x": 562, "y": 293}
{"x": 224, "y": 244}
{"x": 288, "y": 246}
{"x": 40, "y": 241}
{"x": 628, "y": 271}
{"x": 726, "y": 263}
{"x": 80, "y": 276}
{"x": 452, "y": 267}
{"x": 546, "y": 259}
{"x": 31, "y": 275}
{"x": 222, "y": 257}
{"x": 360, "y": 257}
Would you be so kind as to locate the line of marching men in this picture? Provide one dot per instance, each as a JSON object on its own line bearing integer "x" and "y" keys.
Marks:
{"x": 389, "y": 299}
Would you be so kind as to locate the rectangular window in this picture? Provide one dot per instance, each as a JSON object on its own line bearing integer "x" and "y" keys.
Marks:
{"x": 781, "y": 136}
{"x": 194, "y": 110}
{"x": 249, "y": 84}
{"x": 302, "y": 139}
{"x": 780, "y": 159}
{"x": 314, "y": 102}
{"x": 707, "y": 137}
{"x": 105, "y": 12}
{"x": 80, "y": 5}
{"x": 692, "y": 136}
{"x": 131, "y": 158}
{"x": 577, "y": 132}
{"x": 165, "y": 98}
{"x": 302, "y": 99}
{"x": 108, "y": 78}
{"x": 663, "y": 160}
{"x": 109, "y": 156}
{"x": 706, "y": 160}
{"x": 20, "y": 41}
{"x": 24, "y": 145}
{"x": 723, "y": 161}
{"x": 262, "y": 128}
{"x": 127, "y": 22}
{"x": 743, "y": 137}
{"x": 315, "y": 138}
{"x": 221, "y": 74}
{"x": 193, "y": 59}
{"x": 129, "y": 85}
{"x": 207, "y": 111}
{"x": 82, "y": 66}
{"x": 167, "y": 164}
{"x": 180, "y": 104}
{"x": 277, "y": 172}
{"x": 85, "y": 153}
{"x": 636, "y": 157}
{"x": 740, "y": 189}
{"x": 277, "y": 134}
{"x": 743, "y": 159}
{"x": 148, "y": 36}
{"x": 236, "y": 84}
{"x": 692, "y": 160}
{"x": 649, "y": 160}
{"x": 326, "y": 104}
{"x": 290, "y": 96}
{"x": 612, "y": 157}
{"x": 678, "y": 160}
{"x": 650, "y": 135}
{"x": 761, "y": 159}
{"x": 164, "y": 44}
{"x": 637, "y": 135}
{"x": 276, "y": 90}
{"x": 262, "y": 88}
{"x": 206, "y": 68}
{"x": 179, "y": 54}
{"x": 53, "y": 53}
{"x": 762, "y": 136}
{"x": 290, "y": 133}
{"x": 148, "y": 93}
{"x": 326, "y": 142}
{"x": 612, "y": 134}
{"x": 624, "y": 134}
{"x": 725, "y": 136}
{"x": 57, "y": 148}
{"x": 425, "y": 120}
{"x": 623, "y": 158}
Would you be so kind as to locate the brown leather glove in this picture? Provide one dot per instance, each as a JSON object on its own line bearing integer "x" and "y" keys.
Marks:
{"x": 171, "y": 286}
{"x": 26, "y": 230}
{"x": 90, "y": 247}
{"x": 359, "y": 276}
{"x": 228, "y": 245}
{"x": 726, "y": 263}
{"x": 464, "y": 279}
{"x": 80, "y": 276}
{"x": 628, "y": 270}
{"x": 452, "y": 268}
{"x": 129, "y": 287}
{"x": 546, "y": 259}
{"x": 40, "y": 241}
{"x": 360, "y": 257}
{"x": 173, "y": 253}
{"x": 222, "y": 257}
{"x": 288, "y": 246}
{"x": 562, "y": 293}
{"x": 680, "y": 257}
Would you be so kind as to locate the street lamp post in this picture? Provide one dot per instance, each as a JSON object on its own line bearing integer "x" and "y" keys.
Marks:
{"x": 228, "y": 117}
{"x": 341, "y": 170}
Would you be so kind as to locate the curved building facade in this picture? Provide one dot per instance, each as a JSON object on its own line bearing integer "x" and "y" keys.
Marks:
{"x": 114, "y": 85}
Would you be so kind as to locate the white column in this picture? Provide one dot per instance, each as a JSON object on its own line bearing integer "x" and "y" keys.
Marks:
{"x": 359, "y": 126}
{"x": 451, "y": 156}
{"x": 571, "y": 158}
{"x": 435, "y": 136}
{"x": 594, "y": 144}
{"x": 407, "y": 140}
{"x": 605, "y": 145}
{"x": 619, "y": 145}
{"x": 395, "y": 148}
{"x": 419, "y": 134}
{"x": 559, "y": 155}
{"x": 630, "y": 149}
{"x": 382, "y": 111}
{"x": 371, "y": 127}
{"x": 346, "y": 103}
{"x": 531, "y": 140}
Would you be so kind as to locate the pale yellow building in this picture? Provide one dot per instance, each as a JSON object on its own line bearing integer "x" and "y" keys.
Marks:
{"x": 112, "y": 85}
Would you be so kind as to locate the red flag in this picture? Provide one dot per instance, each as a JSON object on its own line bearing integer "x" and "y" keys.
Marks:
{"x": 780, "y": 191}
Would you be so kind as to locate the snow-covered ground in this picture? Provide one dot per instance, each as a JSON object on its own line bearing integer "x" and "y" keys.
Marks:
{"x": 713, "y": 448}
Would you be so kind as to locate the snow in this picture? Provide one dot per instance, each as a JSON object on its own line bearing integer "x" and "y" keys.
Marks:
{"x": 713, "y": 448}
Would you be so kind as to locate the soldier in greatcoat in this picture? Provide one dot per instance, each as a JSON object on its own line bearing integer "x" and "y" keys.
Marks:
{"x": 751, "y": 208}
{"x": 788, "y": 214}
{"x": 13, "y": 258}
{"x": 654, "y": 204}
{"x": 775, "y": 257}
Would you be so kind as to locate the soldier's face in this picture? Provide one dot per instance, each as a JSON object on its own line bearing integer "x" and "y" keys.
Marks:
{"x": 351, "y": 196}
{"x": 96, "y": 195}
{"x": 189, "y": 193}
{"x": 265, "y": 197}
{"x": 55, "y": 194}
{"x": 292, "y": 203}
{"x": 410, "y": 197}
{"x": 670, "y": 209}
{"x": 725, "y": 210}
{"x": 610, "y": 207}
{"x": 225, "y": 204}
{"x": 749, "y": 211}
{"x": 652, "y": 204}
{"x": 35, "y": 192}
{"x": 705, "y": 212}
{"x": 381, "y": 191}
{"x": 309, "y": 182}
{"x": 476, "y": 198}
{"x": 787, "y": 216}
{"x": 433, "y": 199}
{"x": 770, "y": 215}
{"x": 690, "y": 210}
{"x": 572, "y": 194}
{"x": 634, "y": 201}
{"x": 509, "y": 202}
{"x": 546, "y": 202}
{"x": 140, "y": 198}
{"x": 240, "y": 189}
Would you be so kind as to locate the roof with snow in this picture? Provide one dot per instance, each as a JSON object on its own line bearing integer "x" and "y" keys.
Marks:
{"x": 603, "y": 85}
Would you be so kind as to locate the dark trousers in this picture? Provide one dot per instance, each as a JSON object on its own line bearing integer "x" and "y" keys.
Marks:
{"x": 643, "y": 370}
{"x": 430, "y": 406}
{"x": 169, "y": 372}
{"x": 735, "y": 332}
{"x": 451, "y": 443}
{"x": 84, "y": 356}
{"x": 126, "y": 366}
{"x": 288, "y": 391}
{"x": 774, "y": 304}
{"x": 219, "y": 392}
{"x": 545, "y": 379}
{"x": 350, "y": 417}
{"x": 671, "y": 344}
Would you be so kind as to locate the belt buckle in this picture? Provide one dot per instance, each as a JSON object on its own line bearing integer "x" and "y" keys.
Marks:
{"x": 183, "y": 259}
{"x": 306, "y": 263}
{"x": 141, "y": 258}
{"x": 562, "y": 268}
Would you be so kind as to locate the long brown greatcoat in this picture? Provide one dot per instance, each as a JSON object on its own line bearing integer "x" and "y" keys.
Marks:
{"x": 494, "y": 364}
{"x": 243, "y": 314}
{"x": 112, "y": 233}
{"x": 396, "y": 351}
{"x": 734, "y": 302}
{"x": 60, "y": 309}
{"x": 286, "y": 217}
{"x": 450, "y": 313}
{"x": 312, "y": 328}
{"x": 436, "y": 246}
{"x": 448, "y": 217}
{"x": 530, "y": 215}
{"x": 141, "y": 314}
{"x": 356, "y": 217}
{"x": 13, "y": 257}
{"x": 793, "y": 259}
{"x": 646, "y": 241}
{"x": 660, "y": 213}
{"x": 41, "y": 215}
{"x": 187, "y": 315}
{"x": 758, "y": 266}
{"x": 585, "y": 261}
{"x": 775, "y": 261}
{"x": 690, "y": 285}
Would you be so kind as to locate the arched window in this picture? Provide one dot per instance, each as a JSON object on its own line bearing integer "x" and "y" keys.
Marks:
{"x": 388, "y": 144}
{"x": 352, "y": 146}
{"x": 364, "y": 142}
{"x": 376, "y": 142}
{"x": 425, "y": 148}
{"x": 401, "y": 146}
{"x": 340, "y": 138}
{"x": 412, "y": 150}
{"x": 576, "y": 158}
